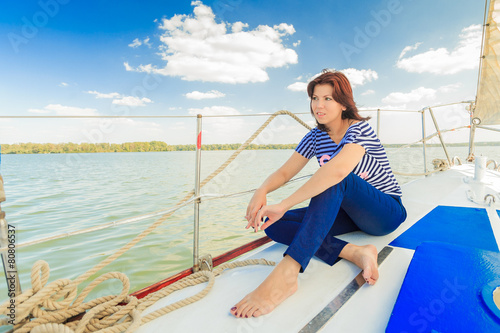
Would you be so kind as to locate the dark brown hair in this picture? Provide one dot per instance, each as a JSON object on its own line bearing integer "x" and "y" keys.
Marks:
{"x": 342, "y": 94}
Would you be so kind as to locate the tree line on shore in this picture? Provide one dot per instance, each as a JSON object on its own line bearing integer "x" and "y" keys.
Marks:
{"x": 152, "y": 146}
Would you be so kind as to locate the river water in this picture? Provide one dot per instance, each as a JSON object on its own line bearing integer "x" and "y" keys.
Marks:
{"x": 52, "y": 194}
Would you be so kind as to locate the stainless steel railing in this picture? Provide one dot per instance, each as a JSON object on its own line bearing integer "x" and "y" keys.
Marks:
{"x": 4, "y": 245}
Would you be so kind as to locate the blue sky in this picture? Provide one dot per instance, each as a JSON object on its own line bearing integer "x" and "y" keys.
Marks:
{"x": 63, "y": 57}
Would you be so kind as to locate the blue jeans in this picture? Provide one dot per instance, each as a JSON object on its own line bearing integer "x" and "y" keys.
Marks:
{"x": 351, "y": 205}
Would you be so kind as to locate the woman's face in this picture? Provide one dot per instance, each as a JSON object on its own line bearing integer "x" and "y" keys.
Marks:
{"x": 326, "y": 110}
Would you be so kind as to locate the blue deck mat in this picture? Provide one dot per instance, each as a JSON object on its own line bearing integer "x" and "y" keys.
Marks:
{"x": 455, "y": 225}
{"x": 442, "y": 291}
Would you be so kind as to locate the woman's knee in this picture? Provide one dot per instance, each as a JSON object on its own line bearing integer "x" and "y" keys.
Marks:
{"x": 282, "y": 231}
{"x": 272, "y": 230}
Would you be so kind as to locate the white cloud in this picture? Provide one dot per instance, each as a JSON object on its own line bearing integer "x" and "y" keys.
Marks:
{"x": 71, "y": 110}
{"x": 450, "y": 87}
{"x": 62, "y": 110}
{"x": 132, "y": 101}
{"x": 238, "y": 27}
{"x": 416, "y": 95}
{"x": 288, "y": 28}
{"x": 137, "y": 42}
{"x": 420, "y": 96}
{"x": 408, "y": 49}
{"x": 298, "y": 86}
{"x": 442, "y": 61}
{"x": 128, "y": 68}
{"x": 121, "y": 99}
{"x": 201, "y": 95}
{"x": 103, "y": 95}
{"x": 368, "y": 92}
{"x": 38, "y": 111}
{"x": 197, "y": 48}
{"x": 297, "y": 43}
{"x": 63, "y": 84}
{"x": 357, "y": 77}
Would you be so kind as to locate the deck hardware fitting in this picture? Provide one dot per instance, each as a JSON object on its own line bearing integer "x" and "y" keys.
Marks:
{"x": 205, "y": 263}
{"x": 336, "y": 304}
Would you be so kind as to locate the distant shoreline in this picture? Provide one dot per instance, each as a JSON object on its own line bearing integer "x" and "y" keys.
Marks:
{"x": 159, "y": 146}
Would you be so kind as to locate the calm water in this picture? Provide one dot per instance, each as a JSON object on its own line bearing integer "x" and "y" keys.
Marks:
{"x": 51, "y": 194}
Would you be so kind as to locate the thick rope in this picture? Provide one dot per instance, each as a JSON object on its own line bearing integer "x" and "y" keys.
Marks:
{"x": 114, "y": 313}
{"x": 42, "y": 301}
{"x": 495, "y": 164}
{"x": 54, "y": 303}
{"x": 439, "y": 165}
{"x": 249, "y": 140}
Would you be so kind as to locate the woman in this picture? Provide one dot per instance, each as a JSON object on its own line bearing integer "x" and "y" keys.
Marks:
{"x": 354, "y": 189}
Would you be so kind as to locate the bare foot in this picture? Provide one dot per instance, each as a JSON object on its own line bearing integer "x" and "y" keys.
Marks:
{"x": 365, "y": 257}
{"x": 278, "y": 286}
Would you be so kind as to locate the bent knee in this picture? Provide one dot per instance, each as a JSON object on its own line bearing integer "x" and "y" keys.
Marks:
{"x": 271, "y": 231}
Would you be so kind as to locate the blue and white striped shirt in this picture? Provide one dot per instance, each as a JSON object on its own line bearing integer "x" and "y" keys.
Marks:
{"x": 374, "y": 166}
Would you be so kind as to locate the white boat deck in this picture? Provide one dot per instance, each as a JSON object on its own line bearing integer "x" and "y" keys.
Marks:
{"x": 368, "y": 310}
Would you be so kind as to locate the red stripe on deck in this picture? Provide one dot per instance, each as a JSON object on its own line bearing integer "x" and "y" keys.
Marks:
{"x": 216, "y": 262}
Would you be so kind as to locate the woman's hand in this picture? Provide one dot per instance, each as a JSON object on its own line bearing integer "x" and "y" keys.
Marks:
{"x": 256, "y": 203}
{"x": 273, "y": 213}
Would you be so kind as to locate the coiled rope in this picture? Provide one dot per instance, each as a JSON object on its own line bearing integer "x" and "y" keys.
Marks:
{"x": 45, "y": 307}
{"x": 43, "y": 302}
{"x": 114, "y": 313}
{"x": 439, "y": 165}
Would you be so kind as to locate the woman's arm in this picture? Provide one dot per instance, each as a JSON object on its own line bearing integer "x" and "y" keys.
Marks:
{"x": 332, "y": 173}
{"x": 291, "y": 167}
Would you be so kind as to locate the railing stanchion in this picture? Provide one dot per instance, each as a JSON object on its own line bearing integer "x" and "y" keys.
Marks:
{"x": 440, "y": 136}
{"x": 424, "y": 145}
{"x": 197, "y": 201}
{"x": 488, "y": 128}
{"x": 474, "y": 122}
{"x": 378, "y": 123}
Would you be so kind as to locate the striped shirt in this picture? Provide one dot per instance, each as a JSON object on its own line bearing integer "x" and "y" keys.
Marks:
{"x": 374, "y": 166}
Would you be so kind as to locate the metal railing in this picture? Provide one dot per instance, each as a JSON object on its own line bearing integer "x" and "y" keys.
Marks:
{"x": 197, "y": 197}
